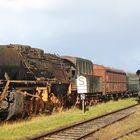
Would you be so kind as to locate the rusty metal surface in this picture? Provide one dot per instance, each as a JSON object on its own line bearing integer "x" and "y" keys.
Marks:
{"x": 70, "y": 58}
{"x": 25, "y": 69}
{"x": 25, "y": 63}
{"x": 9, "y": 57}
{"x": 2, "y": 96}
{"x": 99, "y": 70}
{"x": 114, "y": 80}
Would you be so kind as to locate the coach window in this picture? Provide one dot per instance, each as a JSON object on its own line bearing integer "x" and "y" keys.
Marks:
{"x": 73, "y": 73}
{"x": 87, "y": 69}
{"x": 78, "y": 69}
{"x": 90, "y": 69}
{"x": 82, "y": 67}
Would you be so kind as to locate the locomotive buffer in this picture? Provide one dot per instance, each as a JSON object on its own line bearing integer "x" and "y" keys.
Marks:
{"x": 82, "y": 89}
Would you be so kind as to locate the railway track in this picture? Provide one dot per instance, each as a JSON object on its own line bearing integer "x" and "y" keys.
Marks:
{"x": 83, "y": 129}
{"x": 129, "y": 132}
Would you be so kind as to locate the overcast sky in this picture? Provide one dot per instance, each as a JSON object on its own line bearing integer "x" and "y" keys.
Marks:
{"x": 105, "y": 31}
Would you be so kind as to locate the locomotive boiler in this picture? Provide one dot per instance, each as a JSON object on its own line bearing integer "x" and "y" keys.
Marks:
{"x": 31, "y": 82}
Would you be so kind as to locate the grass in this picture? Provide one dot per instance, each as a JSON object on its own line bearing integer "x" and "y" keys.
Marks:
{"x": 129, "y": 123}
{"x": 36, "y": 125}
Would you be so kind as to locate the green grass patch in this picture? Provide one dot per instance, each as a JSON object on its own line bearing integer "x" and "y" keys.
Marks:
{"x": 36, "y": 125}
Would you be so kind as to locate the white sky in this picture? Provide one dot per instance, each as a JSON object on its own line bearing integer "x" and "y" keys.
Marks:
{"x": 105, "y": 31}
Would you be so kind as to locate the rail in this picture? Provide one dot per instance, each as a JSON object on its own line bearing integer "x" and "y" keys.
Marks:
{"x": 82, "y": 129}
{"x": 126, "y": 133}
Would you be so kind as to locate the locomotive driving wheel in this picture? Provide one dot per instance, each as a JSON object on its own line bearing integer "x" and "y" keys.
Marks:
{"x": 58, "y": 102}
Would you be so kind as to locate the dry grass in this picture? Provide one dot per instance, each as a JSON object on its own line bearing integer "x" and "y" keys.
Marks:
{"x": 18, "y": 130}
{"x": 119, "y": 128}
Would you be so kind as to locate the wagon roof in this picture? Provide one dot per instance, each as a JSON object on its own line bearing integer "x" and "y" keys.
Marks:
{"x": 114, "y": 70}
{"x": 74, "y": 59}
{"x": 109, "y": 69}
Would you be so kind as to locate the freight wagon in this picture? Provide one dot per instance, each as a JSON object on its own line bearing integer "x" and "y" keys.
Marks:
{"x": 114, "y": 81}
{"x": 132, "y": 83}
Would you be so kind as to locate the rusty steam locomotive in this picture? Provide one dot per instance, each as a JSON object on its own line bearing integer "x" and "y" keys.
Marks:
{"x": 33, "y": 82}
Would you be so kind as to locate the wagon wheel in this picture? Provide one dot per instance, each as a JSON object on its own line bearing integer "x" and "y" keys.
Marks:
{"x": 33, "y": 107}
{"x": 48, "y": 107}
{"x": 28, "y": 109}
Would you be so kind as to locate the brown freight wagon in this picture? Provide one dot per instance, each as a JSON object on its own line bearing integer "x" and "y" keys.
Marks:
{"x": 113, "y": 81}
